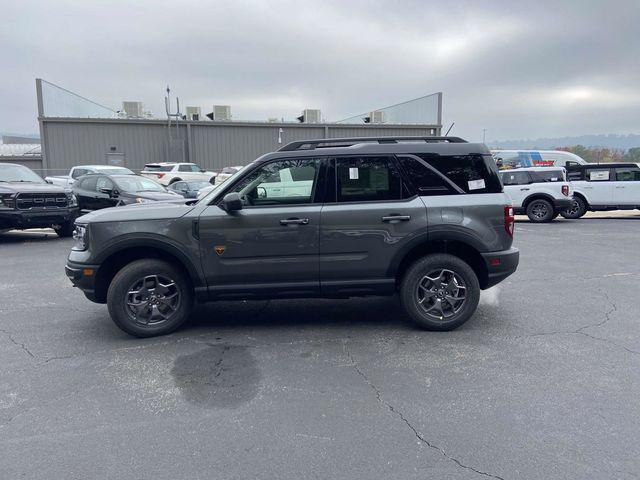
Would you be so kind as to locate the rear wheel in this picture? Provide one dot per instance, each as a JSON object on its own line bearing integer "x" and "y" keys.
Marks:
{"x": 540, "y": 211}
{"x": 150, "y": 297}
{"x": 440, "y": 292}
{"x": 577, "y": 210}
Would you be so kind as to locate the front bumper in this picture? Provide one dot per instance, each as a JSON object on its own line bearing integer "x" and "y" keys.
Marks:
{"x": 83, "y": 276}
{"x": 22, "y": 219}
{"x": 500, "y": 265}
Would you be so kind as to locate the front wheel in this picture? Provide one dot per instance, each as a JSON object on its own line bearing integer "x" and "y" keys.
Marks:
{"x": 576, "y": 210}
{"x": 440, "y": 292}
{"x": 540, "y": 211}
{"x": 150, "y": 297}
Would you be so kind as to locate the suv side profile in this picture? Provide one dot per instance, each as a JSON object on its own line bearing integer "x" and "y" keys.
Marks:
{"x": 167, "y": 173}
{"x": 424, "y": 217}
{"x": 541, "y": 193}
{"x": 603, "y": 186}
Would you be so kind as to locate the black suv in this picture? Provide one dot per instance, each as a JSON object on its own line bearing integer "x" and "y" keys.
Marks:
{"x": 27, "y": 201}
{"x": 422, "y": 216}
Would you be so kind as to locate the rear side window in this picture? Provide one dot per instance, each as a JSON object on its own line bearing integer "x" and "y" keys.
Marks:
{"x": 472, "y": 173}
{"x": 548, "y": 176}
{"x": 158, "y": 168}
{"x": 89, "y": 183}
{"x": 598, "y": 175}
{"x": 363, "y": 179}
{"x": 515, "y": 178}
{"x": 628, "y": 174}
{"x": 425, "y": 180}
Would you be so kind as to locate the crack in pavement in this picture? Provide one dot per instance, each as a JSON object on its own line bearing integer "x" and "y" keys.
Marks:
{"x": 404, "y": 419}
{"x": 15, "y": 342}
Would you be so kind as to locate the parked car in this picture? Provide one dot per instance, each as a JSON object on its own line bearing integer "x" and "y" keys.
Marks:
{"x": 539, "y": 192}
{"x": 27, "y": 201}
{"x": 509, "y": 159}
{"x": 167, "y": 173}
{"x": 188, "y": 189}
{"x": 66, "y": 181}
{"x": 226, "y": 173}
{"x": 97, "y": 191}
{"x": 603, "y": 186}
{"x": 422, "y": 216}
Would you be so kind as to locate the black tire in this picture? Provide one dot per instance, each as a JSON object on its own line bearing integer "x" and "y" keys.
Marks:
{"x": 129, "y": 279}
{"x": 65, "y": 230}
{"x": 423, "y": 311}
{"x": 540, "y": 210}
{"x": 174, "y": 180}
{"x": 578, "y": 209}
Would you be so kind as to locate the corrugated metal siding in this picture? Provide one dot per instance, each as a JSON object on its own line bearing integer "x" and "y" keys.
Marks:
{"x": 70, "y": 142}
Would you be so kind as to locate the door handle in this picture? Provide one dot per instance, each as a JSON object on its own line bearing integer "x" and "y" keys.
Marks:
{"x": 294, "y": 221}
{"x": 620, "y": 187}
{"x": 524, "y": 189}
{"x": 396, "y": 218}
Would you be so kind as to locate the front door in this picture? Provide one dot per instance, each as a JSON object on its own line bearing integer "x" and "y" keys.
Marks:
{"x": 626, "y": 188}
{"x": 365, "y": 224}
{"x": 270, "y": 246}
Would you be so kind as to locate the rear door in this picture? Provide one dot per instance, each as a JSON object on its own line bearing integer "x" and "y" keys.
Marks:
{"x": 517, "y": 184}
{"x": 598, "y": 186}
{"x": 367, "y": 217}
{"x": 626, "y": 187}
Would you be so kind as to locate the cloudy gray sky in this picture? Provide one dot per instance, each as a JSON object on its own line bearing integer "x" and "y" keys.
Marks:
{"x": 518, "y": 69}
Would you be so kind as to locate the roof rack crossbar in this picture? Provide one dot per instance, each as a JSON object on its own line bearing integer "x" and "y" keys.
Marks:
{"x": 348, "y": 141}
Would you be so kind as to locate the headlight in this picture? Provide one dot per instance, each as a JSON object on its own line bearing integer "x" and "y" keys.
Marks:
{"x": 80, "y": 238}
{"x": 6, "y": 201}
{"x": 143, "y": 200}
{"x": 73, "y": 201}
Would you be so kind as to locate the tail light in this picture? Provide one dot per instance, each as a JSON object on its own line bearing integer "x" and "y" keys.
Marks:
{"x": 509, "y": 220}
{"x": 160, "y": 175}
{"x": 565, "y": 190}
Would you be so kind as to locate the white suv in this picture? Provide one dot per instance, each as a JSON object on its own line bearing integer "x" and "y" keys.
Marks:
{"x": 604, "y": 186}
{"x": 542, "y": 193}
{"x": 167, "y": 173}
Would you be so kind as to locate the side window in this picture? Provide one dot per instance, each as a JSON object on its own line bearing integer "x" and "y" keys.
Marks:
{"x": 89, "y": 183}
{"x": 426, "y": 181}
{"x": 515, "y": 178}
{"x": 196, "y": 168}
{"x": 264, "y": 186}
{"x": 628, "y": 174}
{"x": 184, "y": 168}
{"x": 598, "y": 175}
{"x": 365, "y": 179}
{"x": 548, "y": 176}
{"x": 104, "y": 182}
{"x": 472, "y": 173}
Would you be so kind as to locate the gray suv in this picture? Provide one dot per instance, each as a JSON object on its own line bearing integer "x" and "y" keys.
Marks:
{"x": 421, "y": 216}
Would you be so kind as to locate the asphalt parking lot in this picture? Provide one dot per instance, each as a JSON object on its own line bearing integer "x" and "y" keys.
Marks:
{"x": 543, "y": 382}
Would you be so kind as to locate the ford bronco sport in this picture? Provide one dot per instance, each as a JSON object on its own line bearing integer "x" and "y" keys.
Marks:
{"x": 422, "y": 216}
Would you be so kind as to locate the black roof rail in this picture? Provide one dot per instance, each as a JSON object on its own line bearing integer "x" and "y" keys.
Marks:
{"x": 348, "y": 141}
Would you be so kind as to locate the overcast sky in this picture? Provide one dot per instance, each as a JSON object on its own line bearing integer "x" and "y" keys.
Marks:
{"x": 518, "y": 69}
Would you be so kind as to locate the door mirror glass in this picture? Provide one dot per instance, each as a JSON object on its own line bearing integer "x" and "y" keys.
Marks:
{"x": 232, "y": 202}
{"x": 106, "y": 190}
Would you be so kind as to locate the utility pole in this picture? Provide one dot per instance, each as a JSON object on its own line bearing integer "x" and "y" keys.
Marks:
{"x": 484, "y": 133}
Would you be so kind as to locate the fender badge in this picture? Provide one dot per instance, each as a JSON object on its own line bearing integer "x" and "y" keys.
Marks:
{"x": 220, "y": 249}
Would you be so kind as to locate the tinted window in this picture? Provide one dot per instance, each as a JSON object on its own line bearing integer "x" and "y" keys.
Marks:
{"x": 89, "y": 183}
{"x": 424, "y": 180}
{"x": 363, "y": 179}
{"x": 104, "y": 182}
{"x": 628, "y": 174}
{"x": 598, "y": 175}
{"x": 547, "y": 176}
{"x": 158, "y": 168}
{"x": 470, "y": 172}
{"x": 515, "y": 178}
{"x": 275, "y": 184}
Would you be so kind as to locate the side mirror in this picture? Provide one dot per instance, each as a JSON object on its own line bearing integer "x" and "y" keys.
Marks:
{"x": 109, "y": 191}
{"x": 202, "y": 170}
{"x": 232, "y": 202}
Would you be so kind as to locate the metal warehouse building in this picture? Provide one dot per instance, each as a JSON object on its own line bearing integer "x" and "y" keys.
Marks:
{"x": 75, "y": 131}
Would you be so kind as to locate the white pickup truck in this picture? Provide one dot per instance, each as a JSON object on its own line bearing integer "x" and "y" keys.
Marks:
{"x": 66, "y": 181}
{"x": 542, "y": 193}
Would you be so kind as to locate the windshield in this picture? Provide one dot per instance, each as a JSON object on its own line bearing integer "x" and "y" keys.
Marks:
{"x": 198, "y": 185}
{"x": 139, "y": 184}
{"x": 18, "y": 173}
{"x": 215, "y": 190}
{"x": 114, "y": 171}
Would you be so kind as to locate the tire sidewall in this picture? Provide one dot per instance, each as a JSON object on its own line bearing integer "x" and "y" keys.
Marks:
{"x": 582, "y": 209}
{"x": 547, "y": 218}
{"x": 421, "y": 268}
{"x": 118, "y": 290}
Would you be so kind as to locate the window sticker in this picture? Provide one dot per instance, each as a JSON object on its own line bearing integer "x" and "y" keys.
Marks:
{"x": 599, "y": 175}
{"x": 353, "y": 173}
{"x": 476, "y": 184}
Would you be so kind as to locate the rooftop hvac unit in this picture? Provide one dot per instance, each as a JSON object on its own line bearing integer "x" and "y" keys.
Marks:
{"x": 133, "y": 109}
{"x": 193, "y": 113}
{"x": 221, "y": 113}
{"x": 377, "y": 116}
{"x": 310, "y": 116}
